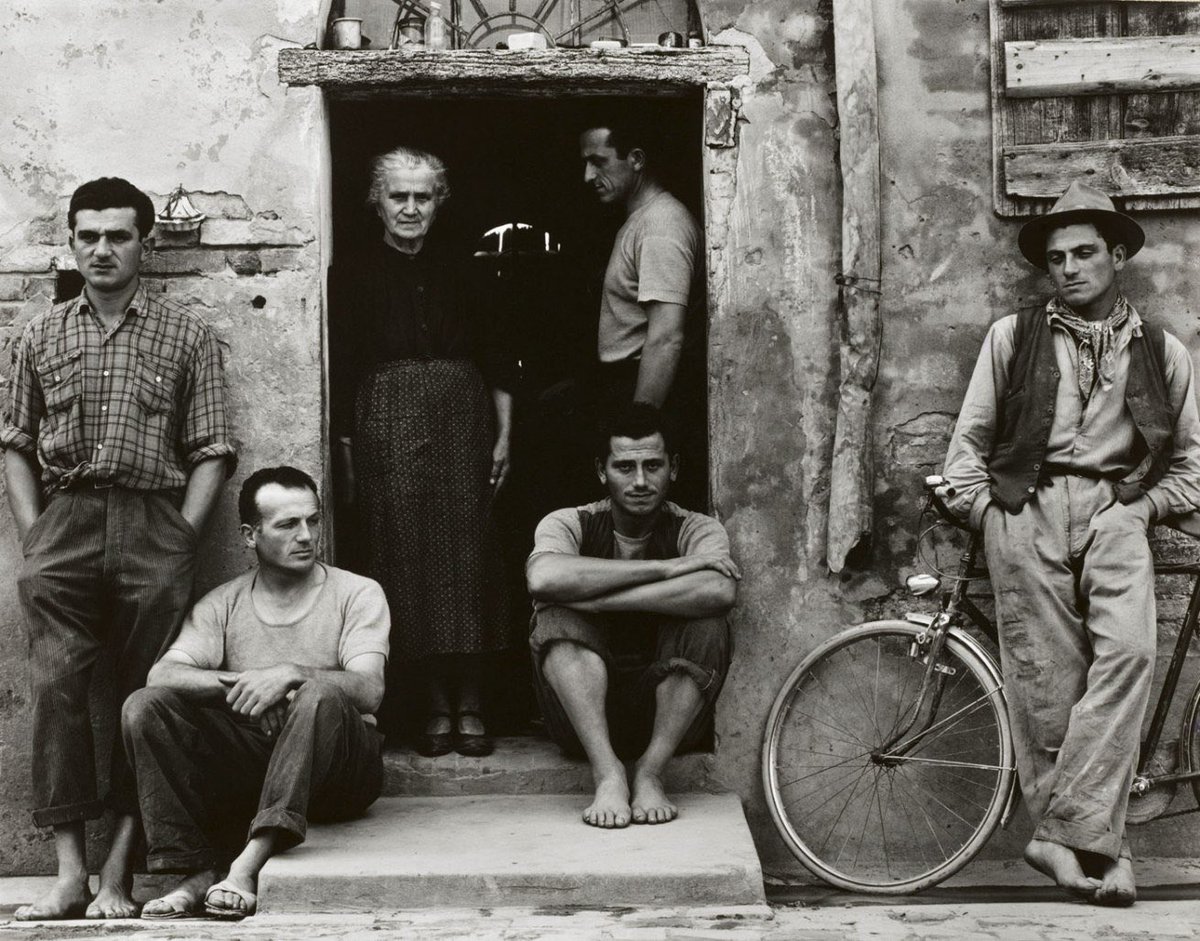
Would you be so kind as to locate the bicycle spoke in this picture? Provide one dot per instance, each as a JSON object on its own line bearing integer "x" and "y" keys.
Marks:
{"x": 866, "y": 819}
{"x": 832, "y": 698}
{"x": 862, "y": 697}
{"x": 978, "y": 704}
{"x": 910, "y": 819}
{"x": 850, "y": 736}
{"x": 821, "y": 769}
{"x": 887, "y": 855}
{"x": 928, "y": 823}
{"x": 899, "y": 801}
{"x": 829, "y": 792}
{"x": 841, "y": 813}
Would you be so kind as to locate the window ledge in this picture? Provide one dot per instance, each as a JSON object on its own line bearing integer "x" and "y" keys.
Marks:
{"x": 359, "y": 73}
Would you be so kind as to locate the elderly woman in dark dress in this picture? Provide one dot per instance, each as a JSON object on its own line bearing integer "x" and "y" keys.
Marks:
{"x": 431, "y": 421}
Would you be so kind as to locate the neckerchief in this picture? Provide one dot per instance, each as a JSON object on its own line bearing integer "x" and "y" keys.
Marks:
{"x": 1095, "y": 341}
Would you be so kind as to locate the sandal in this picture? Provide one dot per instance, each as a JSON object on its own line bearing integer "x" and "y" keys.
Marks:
{"x": 468, "y": 743}
{"x": 433, "y": 744}
{"x": 249, "y": 902}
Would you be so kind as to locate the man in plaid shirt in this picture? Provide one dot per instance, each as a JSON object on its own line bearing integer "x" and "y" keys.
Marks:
{"x": 116, "y": 448}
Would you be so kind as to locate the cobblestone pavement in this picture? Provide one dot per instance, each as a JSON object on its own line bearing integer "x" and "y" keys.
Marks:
{"x": 1036, "y": 915}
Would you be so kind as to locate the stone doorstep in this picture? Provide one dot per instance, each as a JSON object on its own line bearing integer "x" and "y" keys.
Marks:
{"x": 521, "y": 764}
{"x": 514, "y": 850}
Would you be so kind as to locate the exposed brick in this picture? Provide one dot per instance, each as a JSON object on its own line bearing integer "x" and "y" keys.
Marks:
{"x": 221, "y": 205}
{"x": 187, "y": 261}
{"x": 257, "y": 231}
{"x": 28, "y": 258}
{"x": 13, "y": 287}
{"x": 165, "y": 239}
{"x": 245, "y": 263}
{"x": 281, "y": 259}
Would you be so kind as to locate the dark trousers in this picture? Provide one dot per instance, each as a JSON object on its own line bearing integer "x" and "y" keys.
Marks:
{"x": 200, "y": 768}
{"x": 103, "y": 569}
{"x": 639, "y": 651}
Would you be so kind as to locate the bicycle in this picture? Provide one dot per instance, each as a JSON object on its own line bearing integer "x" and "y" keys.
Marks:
{"x": 888, "y": 757}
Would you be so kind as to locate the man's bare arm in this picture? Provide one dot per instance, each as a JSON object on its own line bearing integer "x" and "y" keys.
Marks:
{"x": 699, "y": 594}
{"x": 179, "y": 672}
{"x": 24, "y": 490}
{"x": 253, "y": 692}
{"x": 564, "y": 578}
{"x": 661, "y": 352}
{"x": 203, "y": 487}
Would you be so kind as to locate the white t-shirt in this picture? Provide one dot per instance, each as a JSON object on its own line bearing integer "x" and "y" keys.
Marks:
{"x": 653, "y": 259}
{"x": 224, "y": 631}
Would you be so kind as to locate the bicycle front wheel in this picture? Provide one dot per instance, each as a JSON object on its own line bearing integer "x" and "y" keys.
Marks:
{"x": 888, "y": 821}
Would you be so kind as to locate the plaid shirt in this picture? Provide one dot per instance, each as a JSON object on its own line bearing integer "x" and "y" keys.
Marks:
{"x": 137, "y": 406}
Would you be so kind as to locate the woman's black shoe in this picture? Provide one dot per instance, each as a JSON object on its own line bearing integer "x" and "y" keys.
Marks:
{"x": 433, "y": 744}
{"x": 469, "y": 744}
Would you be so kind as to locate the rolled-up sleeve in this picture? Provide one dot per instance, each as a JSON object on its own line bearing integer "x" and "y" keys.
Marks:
{"x": 974, "y": 433}
{"x": 204, "y": 431}
{"x": 24, "y": 405}
{"x": 1178, "y": 491}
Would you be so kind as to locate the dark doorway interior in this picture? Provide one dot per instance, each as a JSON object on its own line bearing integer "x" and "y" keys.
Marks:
{"x": 516, "y": 162}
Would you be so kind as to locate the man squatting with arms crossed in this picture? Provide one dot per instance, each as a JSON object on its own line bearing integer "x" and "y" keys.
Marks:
{"x": 630, "y": 644}
{"x": 1078, "y": 431}
{"x": 116, "y": 447}
{"x": 264, "y": 700}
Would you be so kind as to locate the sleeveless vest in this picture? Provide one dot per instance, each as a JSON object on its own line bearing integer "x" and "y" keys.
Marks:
{"x": 598, "y": 539}
{"x": 1025, "y": 416}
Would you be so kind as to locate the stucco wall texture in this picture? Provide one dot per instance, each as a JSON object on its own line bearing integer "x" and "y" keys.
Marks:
{"x": 165, "y": 95}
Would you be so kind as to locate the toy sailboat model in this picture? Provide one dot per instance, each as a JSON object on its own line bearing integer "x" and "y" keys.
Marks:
{"x": 179, "y": 215}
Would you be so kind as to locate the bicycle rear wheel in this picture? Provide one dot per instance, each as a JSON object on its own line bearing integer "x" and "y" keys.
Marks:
{"x": 897, "y": 825}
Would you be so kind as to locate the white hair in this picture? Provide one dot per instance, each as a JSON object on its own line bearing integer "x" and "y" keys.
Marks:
{"x": 407, "y": 158}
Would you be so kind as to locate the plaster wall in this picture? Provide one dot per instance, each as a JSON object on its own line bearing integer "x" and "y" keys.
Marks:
{"x": 165, "y": 96}
{"x": 951, "y": 267}
{"x": 162, "y": 95}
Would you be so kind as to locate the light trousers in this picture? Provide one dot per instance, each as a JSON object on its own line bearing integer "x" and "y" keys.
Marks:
{"x": 1074, "y": 585}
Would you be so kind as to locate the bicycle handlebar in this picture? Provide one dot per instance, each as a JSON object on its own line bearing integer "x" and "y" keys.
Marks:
{"x": 937, "y": 489}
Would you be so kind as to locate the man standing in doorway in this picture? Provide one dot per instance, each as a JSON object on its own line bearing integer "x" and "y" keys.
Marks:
{"x": 649, "y": 344}
{"x": 1079, "y": 430}
{"x": 116, "y": 447}
{"x": 630, "y": 643}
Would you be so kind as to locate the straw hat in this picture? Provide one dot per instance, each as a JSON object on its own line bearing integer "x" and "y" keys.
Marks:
{"x": 1080, "y": 203}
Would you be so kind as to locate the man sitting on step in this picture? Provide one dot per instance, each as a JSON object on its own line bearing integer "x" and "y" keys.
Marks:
{"x": 265, "y": 699}
{"x": 630, "y": 644}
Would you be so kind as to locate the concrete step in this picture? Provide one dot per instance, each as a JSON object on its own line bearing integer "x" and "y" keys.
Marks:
{"x": 510, "y": 850}
{"x": 522, "y": 764}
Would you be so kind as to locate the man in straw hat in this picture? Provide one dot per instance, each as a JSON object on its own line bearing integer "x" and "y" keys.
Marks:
{"x": 1079, "y": 430}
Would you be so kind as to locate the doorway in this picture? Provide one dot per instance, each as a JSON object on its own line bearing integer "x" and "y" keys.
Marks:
{"x": 535, "y": 244}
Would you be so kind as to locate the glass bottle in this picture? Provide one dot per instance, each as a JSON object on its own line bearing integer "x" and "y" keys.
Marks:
{"x": 437, "y": 34}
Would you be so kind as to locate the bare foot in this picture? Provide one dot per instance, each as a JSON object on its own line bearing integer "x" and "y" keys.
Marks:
{"x": 610, "y": 808}
{"x": 1062, "y": 865}
{"x": 68, "y": 898}
{"x": 185, "y": 899}
{"x": 1117, "y": 886}
{"x": 113, "y": 900}
{"x": 650, "y": 803}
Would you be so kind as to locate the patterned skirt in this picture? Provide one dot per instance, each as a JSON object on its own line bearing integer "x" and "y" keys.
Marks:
{"x": 424, "y": 431}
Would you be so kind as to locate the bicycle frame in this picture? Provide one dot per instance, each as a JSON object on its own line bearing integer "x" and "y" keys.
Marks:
{"x": 1141, "y": 781}
{"x": 956, "y": 605}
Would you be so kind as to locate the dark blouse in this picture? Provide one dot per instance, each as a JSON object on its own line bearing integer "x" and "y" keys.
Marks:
{"x": 386, "y": 306}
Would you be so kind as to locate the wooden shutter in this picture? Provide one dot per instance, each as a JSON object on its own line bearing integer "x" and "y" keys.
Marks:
{"x": 1108, "y": 91}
